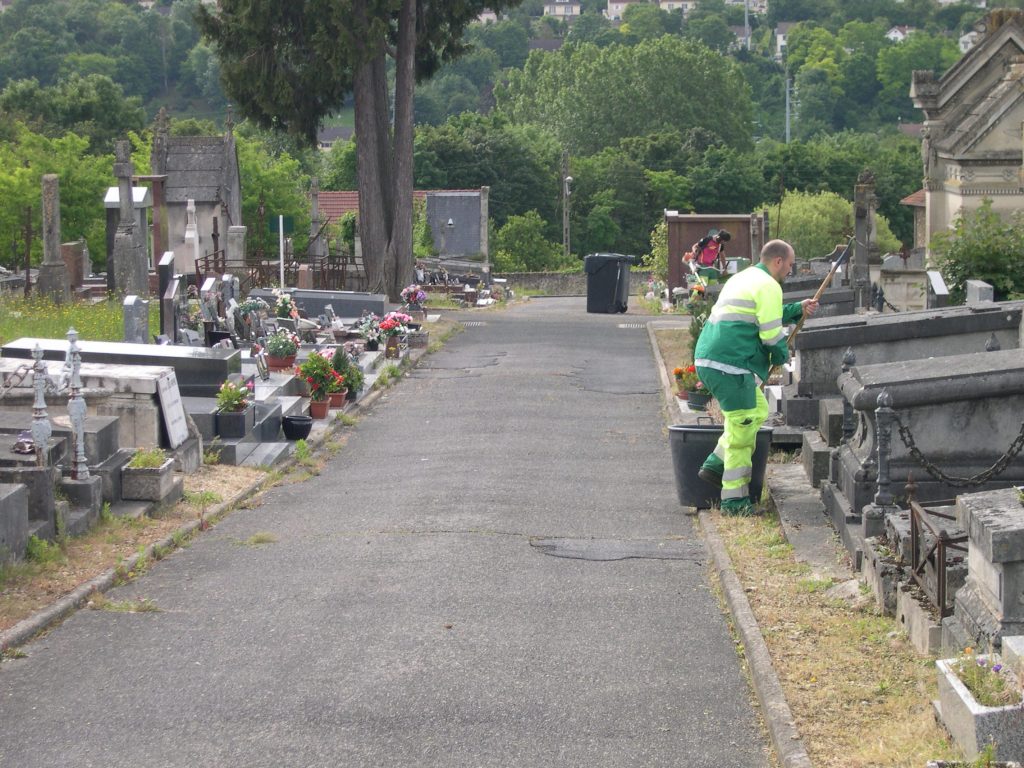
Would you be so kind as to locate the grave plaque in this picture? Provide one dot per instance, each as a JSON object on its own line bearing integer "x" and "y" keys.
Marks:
{"x": 173, "y": 411}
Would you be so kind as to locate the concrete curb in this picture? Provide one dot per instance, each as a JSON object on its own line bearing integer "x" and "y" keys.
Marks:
{"x": 777, "y": 715}
{"x": 26, "y": 629}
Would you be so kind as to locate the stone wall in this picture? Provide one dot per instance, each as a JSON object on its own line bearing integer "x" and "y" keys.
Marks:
{"x": 565, "y": 283}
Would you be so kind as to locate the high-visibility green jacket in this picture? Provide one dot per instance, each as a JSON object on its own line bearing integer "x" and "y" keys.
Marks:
{"x": 744, "y": 330}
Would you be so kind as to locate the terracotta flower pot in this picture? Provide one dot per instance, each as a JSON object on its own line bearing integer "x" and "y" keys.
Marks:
{"x": 318, "y": 408}
{"x": 337, "y": 399}
{"x": 280, "y": 363}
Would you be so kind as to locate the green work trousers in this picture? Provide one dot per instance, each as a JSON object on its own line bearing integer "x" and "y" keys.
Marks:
{"x": 744, "y": 409}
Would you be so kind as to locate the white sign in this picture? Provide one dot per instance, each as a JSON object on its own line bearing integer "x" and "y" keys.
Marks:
{"x": 174, "y": 412}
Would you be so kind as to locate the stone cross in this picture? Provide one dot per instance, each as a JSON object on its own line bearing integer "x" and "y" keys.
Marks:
{"x": 53, "y": 274}
{"x": 131, "y": 273}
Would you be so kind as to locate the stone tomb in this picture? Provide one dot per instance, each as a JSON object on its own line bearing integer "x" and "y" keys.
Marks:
{"x": 140, "y": 400}
{"x": 200, "y": 371}
{"x": 892, "y": 337}
{"x": 963, "y": 412}
{"x": 345, "y": 303}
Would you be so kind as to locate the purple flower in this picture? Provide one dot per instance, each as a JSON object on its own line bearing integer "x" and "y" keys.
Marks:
{"x": 996, "y": 667}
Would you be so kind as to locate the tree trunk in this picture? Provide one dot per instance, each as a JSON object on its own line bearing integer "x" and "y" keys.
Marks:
{"x": 398, "y": 268}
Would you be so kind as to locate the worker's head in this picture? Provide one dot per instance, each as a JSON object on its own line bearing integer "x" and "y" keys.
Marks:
{"x": 722, "y": 236}
{"x": 778, "y": 257}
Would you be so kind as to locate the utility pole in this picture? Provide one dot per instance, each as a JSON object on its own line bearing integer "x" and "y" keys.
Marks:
{"x": 566, "y": 192}
{"x": 788, "y": 88}
{"x": 746, "y": 21}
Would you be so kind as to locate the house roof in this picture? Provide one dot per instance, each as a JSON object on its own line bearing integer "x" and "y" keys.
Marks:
{"x": 984, "y": 115}
{"x": 194, "y": 168}
{"x": 343, "y": 132}
{"x": 915, "y": 199}
{"x": 784, "y": 26}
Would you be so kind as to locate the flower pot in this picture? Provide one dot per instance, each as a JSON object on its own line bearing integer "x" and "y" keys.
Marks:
{"x": 280, "y": 363}
{"x": 691, "y": 444}
{"x": 372, "y": 346}
{"x": 682, "y": 394}
{"x": 973, "y": 725}
{"x": 318, "y": 408}
{"x": 391, "y": 351}
{"x": 337, "y": 399}
{"x": 236, "y": 424}
{"x": 297, "y": 427}
{"x": 698, "y": 401}
{"x": 147, "y": 483}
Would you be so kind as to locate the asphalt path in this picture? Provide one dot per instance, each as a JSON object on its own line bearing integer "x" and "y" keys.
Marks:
{"x": 493, "y": 571}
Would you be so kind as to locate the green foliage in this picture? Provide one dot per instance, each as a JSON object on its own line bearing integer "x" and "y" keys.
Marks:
{"x": 520, "y": 246}
{"x": 592, "y": 97}
{"x": 42, "y": 551}
{"x": 148, "y": 458}
{"x": 39, "y": 317}
{"x": 344, "y": 365}
{"x": 422, "y": 235}
{"x": 982, "y": 246}
{"x": 656, "y": 259}
{"x": 280, "y": 182}
{"x": 814, "y": 223}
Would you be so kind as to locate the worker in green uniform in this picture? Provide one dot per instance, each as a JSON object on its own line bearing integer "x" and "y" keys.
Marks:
{"x": 741, "y": 341}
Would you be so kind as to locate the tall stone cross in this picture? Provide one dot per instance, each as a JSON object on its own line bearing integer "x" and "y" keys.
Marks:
{"x": 131, "y": 273}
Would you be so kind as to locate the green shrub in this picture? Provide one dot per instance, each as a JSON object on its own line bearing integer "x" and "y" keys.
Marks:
{"x": 42, "y": 551}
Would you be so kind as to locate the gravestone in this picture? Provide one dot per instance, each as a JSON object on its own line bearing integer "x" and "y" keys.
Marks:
{"x": 165, "y": 276}
{"x": 235, "y": 251}
{"x": 53, "y": 275}
{"x": 77, "y": 263}
{"x": 979, "y": 291}
{"x": 991, "y": 604}
{"x": 142, "y": 201}
{"x": 136, "y": 320}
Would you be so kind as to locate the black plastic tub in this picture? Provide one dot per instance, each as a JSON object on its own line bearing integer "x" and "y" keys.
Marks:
{"x": 691, "y": 444}
{"x": 297, "y": 427}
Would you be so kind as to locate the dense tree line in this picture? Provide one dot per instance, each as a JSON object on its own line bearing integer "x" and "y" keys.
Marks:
{"x": 658, "y": 112}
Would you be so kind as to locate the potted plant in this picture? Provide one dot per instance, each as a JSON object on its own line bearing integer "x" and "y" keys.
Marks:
{"x": 981, "y": 702}
{"x": 149, "y": 476}
{"x": 344, "y": 365}
{"x": 283, "y": 305}
{"x": 393, "y": 327}
{"x": 281, "y": 350}
{"x": 369, "y": 329}
{"x": 414, "y": 296}
{"x": 236, "y": 413}
{"x": 316, "y": 371}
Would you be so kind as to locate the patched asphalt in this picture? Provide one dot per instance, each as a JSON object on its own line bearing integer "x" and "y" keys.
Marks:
{"x": 493, "y": 571}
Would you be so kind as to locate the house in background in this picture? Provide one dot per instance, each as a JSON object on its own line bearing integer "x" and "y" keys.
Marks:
{"x": 562, "y": 9}
{"x": 971, "y": 140}
{"x": 685, "y": 6}
{"x": 781, "y": 31}
{"x": 899, "y": 33}
{"x": 616, "y": 8}
{"x": 203, "y": 169}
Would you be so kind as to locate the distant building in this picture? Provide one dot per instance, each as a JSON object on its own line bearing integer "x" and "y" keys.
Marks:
{"x": 203, "y": 169}
{"x": 685, "y": 6}
{"x": 741, "y": 37}
{"x": 544, "y": 44}
{"x": 617, "y": 7}
{"x": 899, "y": 33}
{"x": 562, "y": 9}
{"x": 328, "y": 137}
{"x": 971, "y": 145}
{"x": 781, "y": 33}
{"x": 967, "y": 40}
{"x": 487, "y": 17}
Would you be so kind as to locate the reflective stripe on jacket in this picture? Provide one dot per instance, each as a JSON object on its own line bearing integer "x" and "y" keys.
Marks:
{"x": 744, "y": 328}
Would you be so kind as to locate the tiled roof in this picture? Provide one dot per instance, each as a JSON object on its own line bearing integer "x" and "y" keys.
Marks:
{"x": 915, "y": 200}
{"x": 335, "y": 204}
{"x": 195, "y": 168}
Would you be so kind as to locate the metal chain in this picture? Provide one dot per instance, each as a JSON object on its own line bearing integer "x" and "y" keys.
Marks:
{"x": 14, "y": 379}
{"x": 960, "y": 482}
{"x": 889, "y": 304}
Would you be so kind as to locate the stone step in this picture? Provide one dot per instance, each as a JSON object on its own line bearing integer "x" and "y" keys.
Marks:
{"x": 268, "y": 454}
{"x": 802, "y": 517}
{"x": 787, "y": 437}
{"x": 14, "y": 523}
{"x": 234, "y": 452}
{"x": 816, "y": 457}
{"x": 845, "y": 522}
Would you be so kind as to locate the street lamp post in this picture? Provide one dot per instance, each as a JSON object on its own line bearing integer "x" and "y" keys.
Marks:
{"x": 566, "y": 192}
